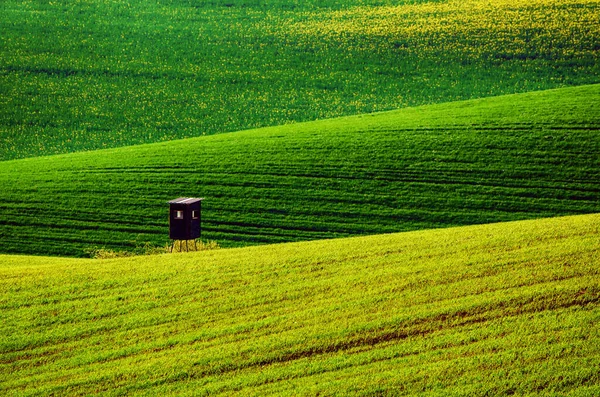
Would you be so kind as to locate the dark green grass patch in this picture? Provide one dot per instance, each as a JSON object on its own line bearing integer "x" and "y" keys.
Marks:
{"x": 499, "y": 159}
{"x": 498, "y": 309}
{"x": 82, "y": 75}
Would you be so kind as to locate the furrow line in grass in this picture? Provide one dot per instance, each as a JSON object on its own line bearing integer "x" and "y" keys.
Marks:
{"x": 362, "y": 173}
{"x": 370, "y": 358}
{"x": 172, "y": 307}
{"x": 175, "y": 303}
{"x": 350, "y": 369}
{"x": 265, "y": 368}
{"x": 194, "y": 374}
{"x": 155, "y": 351}
{"x": 369, "y": 340}
{"x": 78, "y": 225}
{"x": 59, "y": 238}
{"x": 442, "y": 321}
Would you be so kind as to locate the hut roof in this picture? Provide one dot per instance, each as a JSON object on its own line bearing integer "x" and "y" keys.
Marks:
{"x": 185, "y": 200}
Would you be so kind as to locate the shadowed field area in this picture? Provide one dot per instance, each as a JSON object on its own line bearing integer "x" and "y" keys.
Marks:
{"x": 498, "y": 159}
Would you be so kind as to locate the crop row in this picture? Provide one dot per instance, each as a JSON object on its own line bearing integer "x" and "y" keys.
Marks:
{"x": 502, "y": 159}
{"x": 486, "y": 309}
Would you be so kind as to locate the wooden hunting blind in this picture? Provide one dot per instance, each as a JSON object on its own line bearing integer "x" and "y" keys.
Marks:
{"x": 185, "y": 218}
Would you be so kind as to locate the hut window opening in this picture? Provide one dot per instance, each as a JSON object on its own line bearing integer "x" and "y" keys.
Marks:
{"x": 194, "y": 214}
{"x": 178, "y": 214}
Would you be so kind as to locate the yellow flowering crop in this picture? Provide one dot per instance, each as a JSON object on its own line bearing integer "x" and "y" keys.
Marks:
{"x": 474, "y": 26}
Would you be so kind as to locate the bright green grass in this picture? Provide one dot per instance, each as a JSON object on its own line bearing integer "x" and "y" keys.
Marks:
{"x": 89, "y": 74}
{"x": 498, "y": 159}
{"x": 496, "y": 309}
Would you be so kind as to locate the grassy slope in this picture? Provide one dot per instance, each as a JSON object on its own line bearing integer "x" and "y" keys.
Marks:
{"x": 496, "y": 309}
{"x": 506, "y": 158}
{"x": 80, "y": 75}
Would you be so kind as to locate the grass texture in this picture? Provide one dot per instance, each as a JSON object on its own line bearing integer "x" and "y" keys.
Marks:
{"x": 497, "y": 309}
{"x": 480, "y": 161}
{"x": 92, "y": 74}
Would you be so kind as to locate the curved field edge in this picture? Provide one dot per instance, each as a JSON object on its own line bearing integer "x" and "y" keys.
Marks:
{"x": 497, "y": 309}
{"x": 498, "y": 159}
{"x": 83, "y": 75}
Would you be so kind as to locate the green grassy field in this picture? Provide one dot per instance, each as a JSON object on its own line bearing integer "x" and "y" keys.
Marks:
{"x": 90, "y": 74}
{"x": 498, "y": 159}
{"x": 497, "y": 120}
{"x": 499, "y": 309}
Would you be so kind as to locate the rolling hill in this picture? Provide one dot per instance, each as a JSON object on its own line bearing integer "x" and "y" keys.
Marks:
{"x": 496, "y": 309}
{"x": 93, "y": 74}
{"x": 489, "y": 168}
{"x": 479, "y": 161}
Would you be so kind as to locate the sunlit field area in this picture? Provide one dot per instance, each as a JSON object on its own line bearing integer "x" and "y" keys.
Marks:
{"x": 400, "y": 197}
{"x": 81, "y": 75}
{"x": 497, "y": 309}
{"x": 498, "y": 159}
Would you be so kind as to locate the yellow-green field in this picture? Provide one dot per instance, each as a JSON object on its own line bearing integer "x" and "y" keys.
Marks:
{"x": 471, "y": 126}
{"x": 499, "y": 309}
{"x": 521, "y": 27}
